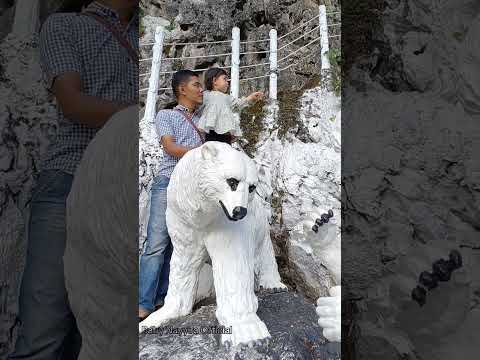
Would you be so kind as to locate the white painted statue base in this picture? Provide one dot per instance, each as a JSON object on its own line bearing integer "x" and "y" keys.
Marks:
{"x": 329, "y": 310}
{"x": 326, "y": 245}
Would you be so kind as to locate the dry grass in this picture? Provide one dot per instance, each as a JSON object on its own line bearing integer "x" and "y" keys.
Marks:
{"x": 252, "y": 125}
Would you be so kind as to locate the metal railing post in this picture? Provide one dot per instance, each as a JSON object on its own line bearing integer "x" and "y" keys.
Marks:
{"x": 273, "y": 64}
{"x": 150, "y": 106}
{"x": 323, "y": 37}
{"x": 235, "y": 73}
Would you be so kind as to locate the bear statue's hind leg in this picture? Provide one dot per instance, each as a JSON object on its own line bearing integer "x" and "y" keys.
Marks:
{"x": 265, "y": 265}
{"x": 233, "y": 272}
{"x": 187, "y": 259}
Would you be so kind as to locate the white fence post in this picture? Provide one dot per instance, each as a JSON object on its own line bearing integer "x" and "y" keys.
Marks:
{"x": 154, "y": 75}
{"x": 273, "y": 64}
{"x": 323, "y": 37}
{"x": 235, "y": 73}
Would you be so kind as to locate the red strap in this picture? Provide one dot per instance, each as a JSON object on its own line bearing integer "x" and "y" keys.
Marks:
{"x": 191, "y": 123}
{"x": 120, "y": 38}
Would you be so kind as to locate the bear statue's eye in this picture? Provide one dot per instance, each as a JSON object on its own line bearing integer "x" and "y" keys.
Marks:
{"x": 251, "y": 188}
{"x": 233, "y": 183}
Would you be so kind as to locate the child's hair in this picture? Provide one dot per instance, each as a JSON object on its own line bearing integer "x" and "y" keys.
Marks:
{"x": 210, "y": 76}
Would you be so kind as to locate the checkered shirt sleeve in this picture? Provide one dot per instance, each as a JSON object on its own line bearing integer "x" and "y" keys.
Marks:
{"x": 163, "y": 123}
{"x": 58, "y": 52}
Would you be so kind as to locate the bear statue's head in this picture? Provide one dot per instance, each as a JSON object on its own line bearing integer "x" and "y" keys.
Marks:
{"x": 229, "y": 179}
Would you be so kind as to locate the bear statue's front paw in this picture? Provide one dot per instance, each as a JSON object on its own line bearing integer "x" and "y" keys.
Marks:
{"x": 329, "y": 310}
{"x": 315, "y": 222}
{"x": 319, "y": 228}
{"x": 157, "y": 318}
{"x": 321, "y": 219}
{"x": 252, "y": 332}
{"x": 257, "y": 344}
{"x": 273, "y": 286}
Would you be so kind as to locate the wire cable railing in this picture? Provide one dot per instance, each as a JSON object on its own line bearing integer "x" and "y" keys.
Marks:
{"x": 255, "y": 77}
{"x": 298, "y": 50}
{"x": 298, "y": 27}
{"x": 187, "y": 43}
{"x": 174, "y": 71}
{"x": 206, "y": 42}
{"x": 255, "y": 52}
{"x": 296, "y": 63}
{"x": 274, "y": 68}
{"x": 300, "y": 37}
{"x": 198, "y": 43}
{"x": 254, "y": 41}
{"x": 197, "y": 57}
{"x": 253, "y": 65}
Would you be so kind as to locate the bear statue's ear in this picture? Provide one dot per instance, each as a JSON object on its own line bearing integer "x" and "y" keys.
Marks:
{"x": 209, "y": 151}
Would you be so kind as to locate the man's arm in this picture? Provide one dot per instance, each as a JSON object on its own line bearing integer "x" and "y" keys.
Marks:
{"x": 80, "y": 107}
{"x": 172, "y": 148}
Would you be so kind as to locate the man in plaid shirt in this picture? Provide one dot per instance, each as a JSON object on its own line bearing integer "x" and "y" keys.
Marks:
{"x": 92, "y": 76}
{"x": 177, "y": 136}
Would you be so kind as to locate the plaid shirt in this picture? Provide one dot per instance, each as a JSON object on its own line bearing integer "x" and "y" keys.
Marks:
{"x": 76, "y": 43}
{"x": 171, "y": 122}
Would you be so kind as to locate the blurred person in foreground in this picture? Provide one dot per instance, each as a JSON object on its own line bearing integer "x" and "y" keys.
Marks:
{"x": 89, "y": 54}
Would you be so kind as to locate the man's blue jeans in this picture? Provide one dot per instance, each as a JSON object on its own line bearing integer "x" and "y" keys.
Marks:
{"x": 155, "y": 259}
{"x": 48, "y": 329}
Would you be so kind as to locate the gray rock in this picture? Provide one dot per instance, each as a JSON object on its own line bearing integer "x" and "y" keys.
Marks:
{"x": 12, "y": 253}
{"x": 304, "y": 177}
{"x": 310, "y": 277}
{"x": 289, "y": 318}
{"x": 27, "y": 123}
{"x": 422, "y": 186}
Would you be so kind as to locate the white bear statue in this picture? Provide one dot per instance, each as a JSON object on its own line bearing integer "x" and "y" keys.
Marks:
{"x": 213, "y": 209}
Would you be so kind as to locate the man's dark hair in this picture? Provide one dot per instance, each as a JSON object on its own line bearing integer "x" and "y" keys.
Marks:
{"x": 170, "y": 105}
{"x": 66, "y": 6}
{"x": 180, "y": 78}
{"x": 212, "y": 74}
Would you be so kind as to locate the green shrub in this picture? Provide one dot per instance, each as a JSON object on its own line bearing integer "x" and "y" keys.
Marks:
{"x": 335, "y": 58}
{"x": 171, "y": 26}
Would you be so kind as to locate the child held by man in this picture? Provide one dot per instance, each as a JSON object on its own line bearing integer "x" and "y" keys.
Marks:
{"x": 220, "y": 118}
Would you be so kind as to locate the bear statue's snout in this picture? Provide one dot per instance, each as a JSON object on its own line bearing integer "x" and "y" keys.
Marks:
{"x": 239, "y": 212}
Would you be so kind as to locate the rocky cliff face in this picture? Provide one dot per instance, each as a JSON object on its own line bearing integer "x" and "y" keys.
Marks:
{"x": 301, "y": 174}
{"x": 295, "y": 145}
{"x": 192, "y": 21}
{"x": 27, "y": 124}
{"x": 424, "y": 182}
